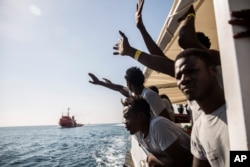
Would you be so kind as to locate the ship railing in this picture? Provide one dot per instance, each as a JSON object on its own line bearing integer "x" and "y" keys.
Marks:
{"x": 138, "y": 153}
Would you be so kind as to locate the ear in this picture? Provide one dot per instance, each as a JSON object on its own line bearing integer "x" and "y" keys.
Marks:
{"x": 213, "y": 70}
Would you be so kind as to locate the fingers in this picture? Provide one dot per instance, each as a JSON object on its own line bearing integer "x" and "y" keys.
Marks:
{"x": 91, "y": 75}
{"x": 106, "y": 80}
{"x": 122, "y": 34}
{"x": 116, "y": 48}
{"x": 140, "y": 6}
{"x": 241, "y": 14}
{"x": 242, "y": 19}
{"x": 183, "y": 17}
{"x": 242, "y": 22}
{"x": 94, "y": 78}
{"x": 242, "y": 34}
{"x": 123, "y": 102}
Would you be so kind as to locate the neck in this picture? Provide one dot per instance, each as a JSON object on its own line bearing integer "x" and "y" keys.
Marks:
{"x": 213, "y": 101}
{"x": 138, "y": 90}
{"x": 145, "y": 128}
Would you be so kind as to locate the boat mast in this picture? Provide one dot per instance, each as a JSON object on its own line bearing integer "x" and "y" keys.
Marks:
{"x": 68, "y": 111}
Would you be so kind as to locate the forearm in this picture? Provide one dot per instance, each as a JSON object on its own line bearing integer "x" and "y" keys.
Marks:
{"x": 157, "y": 63}
{"x": 159, "y": 160}
{"x": 187, "y": 35}
{"x": 152, "y": 47}
{"x": 115, "y": 87}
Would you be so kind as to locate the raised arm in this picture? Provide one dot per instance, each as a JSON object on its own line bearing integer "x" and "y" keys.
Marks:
{"x": 108, "y": 84}
{"x": 187, "y": 34}
{"x": 150, "y": 43}
{"x": 158, "y": 63}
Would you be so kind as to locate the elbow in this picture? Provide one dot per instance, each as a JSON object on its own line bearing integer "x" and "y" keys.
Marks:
{"x": 183, "y": 42}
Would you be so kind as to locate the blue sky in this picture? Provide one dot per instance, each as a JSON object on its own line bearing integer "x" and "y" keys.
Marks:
{"x": 48, "y": 47}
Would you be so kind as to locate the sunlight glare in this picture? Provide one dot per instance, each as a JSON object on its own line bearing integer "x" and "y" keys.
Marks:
{"x": 35, "y": 10}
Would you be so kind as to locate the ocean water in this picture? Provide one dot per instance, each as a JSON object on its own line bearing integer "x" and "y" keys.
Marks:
{"x": 103, "y": 145}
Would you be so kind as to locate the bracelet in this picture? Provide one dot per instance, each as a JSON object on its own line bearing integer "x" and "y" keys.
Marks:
{"x": 137, "y": 54}
{"x": 191, "y": 14}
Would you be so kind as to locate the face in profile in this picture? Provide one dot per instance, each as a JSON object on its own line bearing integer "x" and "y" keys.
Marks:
{"x": 194, "y": 77}
{"x": 131, "y": 121}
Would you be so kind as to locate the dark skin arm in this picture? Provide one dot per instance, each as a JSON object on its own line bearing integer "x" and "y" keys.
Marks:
{"x": 171, "y": 157}
{"x": 187, "y": 33}
{"x": 108, "y": 84}
{"x": 157, "y": 60}
{"x": 150, "y": 43}
{"x": 158, "y": 63}
{"x": 241, "y": 18}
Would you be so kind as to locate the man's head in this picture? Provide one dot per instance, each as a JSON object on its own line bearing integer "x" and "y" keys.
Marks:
{"x": 134, "y": 78}
{"x": 195, "y": 73}
{"x": 136, "y": 113}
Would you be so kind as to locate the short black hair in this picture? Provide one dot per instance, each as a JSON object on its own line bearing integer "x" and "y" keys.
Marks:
{"x": 135, "y": 76}
{"x": 203, "y": 39}
{"x": 204, "y": 55}
{"x": 138, "y": 104}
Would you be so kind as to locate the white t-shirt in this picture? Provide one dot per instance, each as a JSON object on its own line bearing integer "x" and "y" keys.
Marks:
{"x": 209, "y": 138}
{"x": 196, "y": 111}
{"x": 154, "y": 100}
{"x": 163, "y": 133}
{"x": 194, "y": 107}
{"x": 169, "y": 108}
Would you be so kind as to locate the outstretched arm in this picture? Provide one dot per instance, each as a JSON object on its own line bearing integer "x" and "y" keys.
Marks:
{"x": 152, "y": 47}
{"x": 108, "y": 84}
{"x": 158, "y": 63}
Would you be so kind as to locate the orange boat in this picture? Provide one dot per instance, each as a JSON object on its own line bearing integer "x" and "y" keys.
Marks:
{"x": 68, "y": 121}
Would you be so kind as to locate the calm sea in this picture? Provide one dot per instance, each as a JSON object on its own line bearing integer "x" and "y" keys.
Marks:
{"x": 103, "y": 145}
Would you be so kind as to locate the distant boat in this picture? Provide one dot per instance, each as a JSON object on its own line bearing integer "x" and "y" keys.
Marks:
{"x": 68, "y": 121}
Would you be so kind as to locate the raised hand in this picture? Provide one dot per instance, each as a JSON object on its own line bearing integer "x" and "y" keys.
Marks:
{"x": 190, "y": 10}
{"x": 123, "y": 46}
{"x": 242, "y": 18}
{"x": 138, "y": 15}
{"x": 95, "y": 80}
